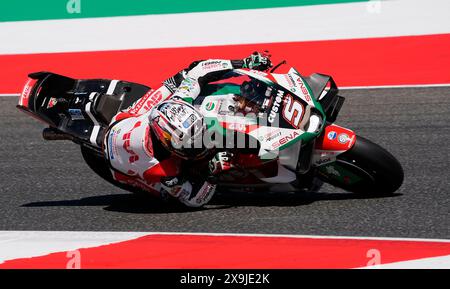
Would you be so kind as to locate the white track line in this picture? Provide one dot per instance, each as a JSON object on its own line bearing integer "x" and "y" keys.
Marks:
{"x": 305, "y": 236}
{"x": 25, "y": 244}
{"x": 9, "y": 94}
{"x": 291, "y": 24}
{"x": 442, "y": 262}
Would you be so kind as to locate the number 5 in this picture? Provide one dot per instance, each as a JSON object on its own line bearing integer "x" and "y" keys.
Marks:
{"x": 293, "y": 111}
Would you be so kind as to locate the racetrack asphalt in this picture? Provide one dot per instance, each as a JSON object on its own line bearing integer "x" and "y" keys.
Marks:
{"x": 47, "y": 186}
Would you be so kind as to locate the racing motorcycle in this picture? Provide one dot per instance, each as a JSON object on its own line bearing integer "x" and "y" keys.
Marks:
{"x": 305, "y": 137}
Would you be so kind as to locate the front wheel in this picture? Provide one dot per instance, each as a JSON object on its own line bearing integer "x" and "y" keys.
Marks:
{"x": 366, "y": 168}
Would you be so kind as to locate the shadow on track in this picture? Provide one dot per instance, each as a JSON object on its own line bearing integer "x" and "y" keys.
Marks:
{"x": 137, "y": 204}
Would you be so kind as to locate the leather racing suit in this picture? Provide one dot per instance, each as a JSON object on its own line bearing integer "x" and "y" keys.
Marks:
{"x": 133, "y": 151}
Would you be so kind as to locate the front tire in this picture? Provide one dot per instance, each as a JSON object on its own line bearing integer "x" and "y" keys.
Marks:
{"x": 366, "y": 168}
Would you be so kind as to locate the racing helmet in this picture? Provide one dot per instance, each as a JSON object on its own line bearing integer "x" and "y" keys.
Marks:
{"x": 179, "y": 128}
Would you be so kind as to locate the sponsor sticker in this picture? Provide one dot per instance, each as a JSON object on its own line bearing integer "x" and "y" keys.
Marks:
{"x": 304, "y": 89}
{"x": 110, "y": 144}
{"x": 174, "y": 112}
{"x": 25, "y": 95}
{"x": 290, "y": 80}
{"x": 343, "y": 138}
{"x": 274, "y": 136}
{"x": 51, "y": 103}
{"x": 324, "y": 161}
{"x": 285, "y": 139}
{"x": 189, "y": 121}
{"x": 332, "y": 135}
{"x": 205, "y": 192}
{"x": 237, "y": 127}
{"x": 150, "y": 99}
{"x": 214, "y": 64}
{"x": 210, "y": 106}
{"x": 276, "y": 106}
{"x": 170, "y": 182}
{"x": 76, "y": 114}
{"x": 271, "y": 135}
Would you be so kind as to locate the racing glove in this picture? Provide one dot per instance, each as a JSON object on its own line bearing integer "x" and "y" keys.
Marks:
{"x": 258, "y": 61}
{"x": 199, "y": 197}
{"x": 175, "y": 187}
{"x": 221, "y": 162}
{"x": 186, "y": 194}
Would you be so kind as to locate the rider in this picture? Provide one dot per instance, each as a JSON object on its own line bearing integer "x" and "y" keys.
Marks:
{"x": 140, "y": 141}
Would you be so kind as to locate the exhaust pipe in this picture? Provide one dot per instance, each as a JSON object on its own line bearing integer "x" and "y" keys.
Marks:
{"x": 51, "y": 133}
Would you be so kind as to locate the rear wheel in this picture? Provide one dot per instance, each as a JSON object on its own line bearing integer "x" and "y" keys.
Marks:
{"x": 366, "y": 168}
{"x": 101, "y": 167}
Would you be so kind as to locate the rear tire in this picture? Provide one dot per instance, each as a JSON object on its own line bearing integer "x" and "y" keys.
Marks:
{"x": 101, "y": 167}
{"x": 373, "y": 169}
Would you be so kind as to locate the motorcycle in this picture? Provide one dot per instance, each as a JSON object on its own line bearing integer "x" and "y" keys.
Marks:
{"x": 299, "y": 128}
